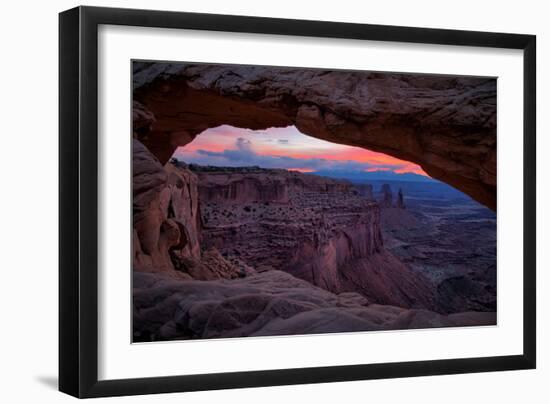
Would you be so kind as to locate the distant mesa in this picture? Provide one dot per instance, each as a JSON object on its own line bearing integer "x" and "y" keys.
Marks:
{"x": 377, "y": 176}
{"x": 257, "y": 184}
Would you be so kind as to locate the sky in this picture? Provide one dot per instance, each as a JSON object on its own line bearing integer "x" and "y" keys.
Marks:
{"x": 285, "y": 148}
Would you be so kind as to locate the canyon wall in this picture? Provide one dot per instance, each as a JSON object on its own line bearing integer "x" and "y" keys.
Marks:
{"x": 167, "y": 223}
{"x": 445, "y": 124}
{"x": 166, "y": 213}
{"x": 223, "y": 186}
{"x": 323, "y": 232}
{"x": 255, "y": 184}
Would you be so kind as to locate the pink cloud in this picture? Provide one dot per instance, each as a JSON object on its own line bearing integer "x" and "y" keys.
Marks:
{"x": 290, "y": 143}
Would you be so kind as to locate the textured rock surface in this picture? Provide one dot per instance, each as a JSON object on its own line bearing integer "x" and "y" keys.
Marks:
{"x": 445, "y": 124}
{"x": 151, "y": 240}
{"x": 321, "y": 232}
{"x": 269, "y": 303}
{"x": 255, "y": 184}
{"x": 167, "y": 223}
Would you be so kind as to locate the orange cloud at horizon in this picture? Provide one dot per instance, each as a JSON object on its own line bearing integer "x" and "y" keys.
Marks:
{"x": 352, "y": 153}
{"x": 301, "y": 170}
{"x": 412, "y": 168}
{"x": 339, "y": 152}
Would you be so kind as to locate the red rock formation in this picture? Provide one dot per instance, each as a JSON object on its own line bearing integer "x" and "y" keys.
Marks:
{"x": 149, "y": 212}
{"x": 167, "y": 222}
{"x": 445, "y": 124}
{"x": 323, "y": 232}
{"x": 241, "y": 188}
{"x": 254, "y": 184}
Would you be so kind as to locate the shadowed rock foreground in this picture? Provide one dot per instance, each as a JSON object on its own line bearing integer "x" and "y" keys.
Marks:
{"x": 268, "y": 303}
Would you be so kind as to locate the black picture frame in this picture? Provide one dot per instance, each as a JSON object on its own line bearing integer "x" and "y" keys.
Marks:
{"x": 78, "y": 201}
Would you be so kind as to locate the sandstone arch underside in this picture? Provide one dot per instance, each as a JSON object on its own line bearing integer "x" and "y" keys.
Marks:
{"x": 445, "y": 124}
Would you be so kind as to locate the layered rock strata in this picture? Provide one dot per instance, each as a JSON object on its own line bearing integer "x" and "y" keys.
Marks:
{"x": 322, "y": 232}
{"x": 167, "y": 223}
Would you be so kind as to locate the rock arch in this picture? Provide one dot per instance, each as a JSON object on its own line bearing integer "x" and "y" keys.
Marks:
{"x": 445, "y": 124}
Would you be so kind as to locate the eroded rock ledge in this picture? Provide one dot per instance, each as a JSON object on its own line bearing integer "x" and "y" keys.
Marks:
{"x": 317, "y": 229}
{"x": 269, "y": 303}
{"x": 447, "y": 125}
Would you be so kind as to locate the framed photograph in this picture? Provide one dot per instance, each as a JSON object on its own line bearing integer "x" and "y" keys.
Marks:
{"x": 252, "y": 201}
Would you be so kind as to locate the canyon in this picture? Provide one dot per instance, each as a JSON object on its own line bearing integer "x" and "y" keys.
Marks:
{"x": 321, "y": 231}
{"x": 450, "y": 239}
{"x": 222, "y": 252}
